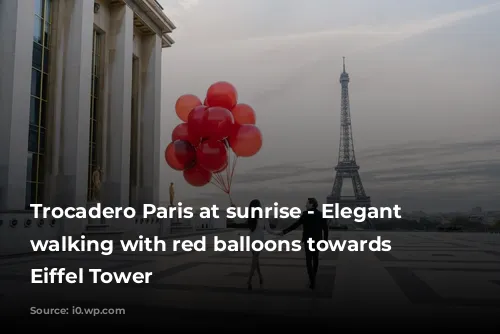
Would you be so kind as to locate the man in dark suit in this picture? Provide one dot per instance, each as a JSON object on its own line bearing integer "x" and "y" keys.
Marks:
{"x": 314, "y": 227}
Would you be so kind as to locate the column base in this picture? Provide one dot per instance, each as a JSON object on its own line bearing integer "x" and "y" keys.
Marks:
{"x": 94, "y": 221}
{"x": 12, "y": 196}
{"x": 17, "y": 228}
{"x": 146, "y": 196}
{"x": 63, "y": 190}
{"x": 113, "y": 194}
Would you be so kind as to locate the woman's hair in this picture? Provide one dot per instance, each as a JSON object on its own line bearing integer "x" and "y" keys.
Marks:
{"x": 252, "y": 221}
{"x": 313, "y": 201}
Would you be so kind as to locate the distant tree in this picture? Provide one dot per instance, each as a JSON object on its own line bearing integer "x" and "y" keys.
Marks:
{"x": 460, "y": 221}
{"x": 425, "y": 221}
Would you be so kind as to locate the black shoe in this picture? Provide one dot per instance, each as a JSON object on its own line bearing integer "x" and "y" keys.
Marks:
{"x": 249, "y": 286}
{"x": 312, "y": 285}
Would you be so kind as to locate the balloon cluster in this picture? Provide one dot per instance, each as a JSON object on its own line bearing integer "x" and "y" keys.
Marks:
{"x": 213, "y": 135}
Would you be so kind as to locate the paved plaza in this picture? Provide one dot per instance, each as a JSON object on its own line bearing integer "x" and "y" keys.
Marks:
{"x": 425, "y": 274}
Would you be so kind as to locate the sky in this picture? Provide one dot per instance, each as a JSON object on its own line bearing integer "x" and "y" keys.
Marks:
{"x": 424, "y": 95}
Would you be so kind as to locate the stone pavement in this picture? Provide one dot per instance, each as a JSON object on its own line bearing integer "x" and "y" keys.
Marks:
{"x": 424, "y": 275}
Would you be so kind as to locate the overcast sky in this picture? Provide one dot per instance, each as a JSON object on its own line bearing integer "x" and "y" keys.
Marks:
{"x": 424, "y": 92}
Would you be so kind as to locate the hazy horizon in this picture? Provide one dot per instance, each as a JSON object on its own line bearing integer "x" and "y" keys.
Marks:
{"x": 423, "y": 92}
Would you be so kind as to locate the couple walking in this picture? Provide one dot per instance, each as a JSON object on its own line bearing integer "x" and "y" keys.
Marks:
{"x": 314, "y": 227}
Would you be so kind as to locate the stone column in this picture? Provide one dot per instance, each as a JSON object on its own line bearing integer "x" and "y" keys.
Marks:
{"x": 71, "y": 184}
{"x": 150, "y": 120}
{"x": 54, "y": 115}
{"x": 16, "y": 28}
{"x": 121, "y": 47}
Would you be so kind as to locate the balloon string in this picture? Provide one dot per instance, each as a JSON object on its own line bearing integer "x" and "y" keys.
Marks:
{"x": 224, "y": 182}
{"x": 217, "y": 177}
{"x": 215, "y": 182}
{"x": 220, "y": 184}
{"x": 228, "y": 165}
{"x": 217, "y": 185}
{"x": 220, "y": 181}
{"x": 232, "y": 171}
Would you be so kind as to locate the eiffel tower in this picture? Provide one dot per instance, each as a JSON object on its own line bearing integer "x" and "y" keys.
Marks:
{"x": 347, "y": 168}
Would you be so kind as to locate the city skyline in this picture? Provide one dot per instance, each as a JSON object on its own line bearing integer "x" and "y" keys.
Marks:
{"x": 423, "y": 102}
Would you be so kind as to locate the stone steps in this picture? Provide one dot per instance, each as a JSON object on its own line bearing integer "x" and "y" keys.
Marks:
{"x": 102, "y": 232}
{"x": 176, "y": 229}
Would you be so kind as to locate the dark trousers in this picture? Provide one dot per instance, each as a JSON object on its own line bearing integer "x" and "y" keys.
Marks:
{"x": 312, "y": 262}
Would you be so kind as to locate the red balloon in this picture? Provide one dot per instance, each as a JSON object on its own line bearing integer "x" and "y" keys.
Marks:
{"x": 218, "y": 123}
{"x": 180, "y": 155}
{"x": 181, "y": 132}
{"x": 171, "y": 159}
{"x": 197, "y": 176}
{"x": 223, "y": 168}
{"x": 212, "y": 155}
{"x": 196, "y": 122}
{"x": 243, "y": 114}
{"x": 234, "y": 131}
{"x": 205, "y": 102}
{"x": 247, "y": 140}
{"x": 185, "y": 104}
{"x": 222, "y": 94}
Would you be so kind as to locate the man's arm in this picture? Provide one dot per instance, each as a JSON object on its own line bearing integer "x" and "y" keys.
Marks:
{"x": 325, "y": 229}
{"x": 268, "y": 228}
{"x": 296, "y": 224}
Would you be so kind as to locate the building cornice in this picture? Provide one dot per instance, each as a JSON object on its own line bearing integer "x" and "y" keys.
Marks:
{"x": 152, "y": 9}
{"x": 158, "y": 9}
{"x": 152, "y": 15}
